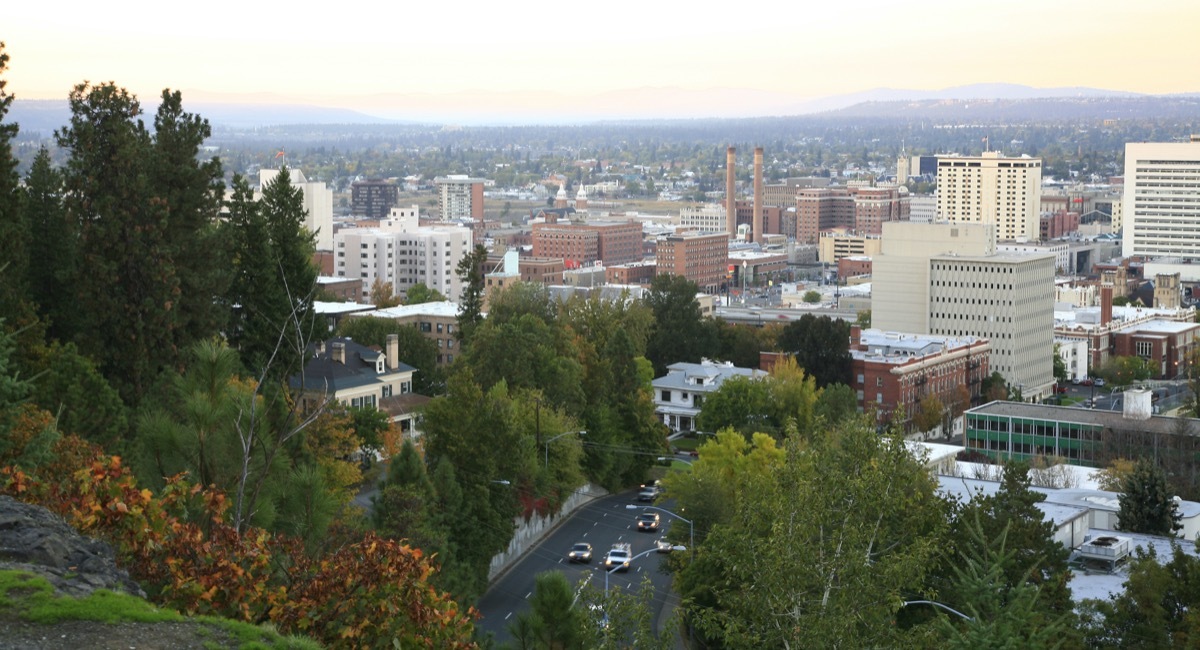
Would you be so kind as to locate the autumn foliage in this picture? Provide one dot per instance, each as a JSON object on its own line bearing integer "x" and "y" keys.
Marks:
{"x": 368, "y": 593}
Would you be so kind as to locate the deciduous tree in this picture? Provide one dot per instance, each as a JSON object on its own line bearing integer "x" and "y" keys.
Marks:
{"x": 821, "y": 345}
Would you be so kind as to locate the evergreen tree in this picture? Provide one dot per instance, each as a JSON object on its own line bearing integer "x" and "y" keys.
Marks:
{"x": 127, "y": 287}
{"x": 680, "y": 332}
{"x": 821, "y": 346}
{"x": 191, "y": 191}
{"x": 274, "y": 277}
{"x": 13, "y": 229}
{"x": 53, "y": 248}
{"x": 1146, "y": 506}
{"x": 1003, "y": 613}
{"x": 470, "y": 314}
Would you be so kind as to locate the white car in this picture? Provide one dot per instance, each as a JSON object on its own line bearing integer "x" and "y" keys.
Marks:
{"x": 619, "y": 557}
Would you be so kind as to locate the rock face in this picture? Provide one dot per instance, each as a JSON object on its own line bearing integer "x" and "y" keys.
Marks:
{"x": 36, "y": 540}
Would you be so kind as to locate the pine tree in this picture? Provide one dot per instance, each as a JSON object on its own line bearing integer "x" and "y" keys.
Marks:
{"x": 1146, "y": 506}
{"x": 274, "y": 277}
{"x": 13, "y": 230}
{"x": 127, "y": 288}
{"x": 52, "y": 249}
{"x": 191, "y": 190}
{"x": 470, "y": 314}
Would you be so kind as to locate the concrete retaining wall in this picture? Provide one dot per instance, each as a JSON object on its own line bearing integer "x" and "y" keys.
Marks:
{"x": 531, "y": 532}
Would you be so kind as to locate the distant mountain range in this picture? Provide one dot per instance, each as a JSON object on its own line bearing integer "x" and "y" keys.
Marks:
{"x": 258, "y": 110}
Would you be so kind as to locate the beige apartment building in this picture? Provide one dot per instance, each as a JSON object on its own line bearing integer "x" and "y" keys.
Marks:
{"x": 836, "y": 245}
{"x": 460, "y": 197}
{"x": 991, "y": 188}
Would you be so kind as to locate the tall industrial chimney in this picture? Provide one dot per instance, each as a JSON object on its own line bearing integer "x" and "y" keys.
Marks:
{"x": 730, "y": 191}
{"x": 756, "y": 227}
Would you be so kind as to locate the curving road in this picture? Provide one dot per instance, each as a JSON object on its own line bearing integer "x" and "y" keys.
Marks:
{"x": 600, "y": 523}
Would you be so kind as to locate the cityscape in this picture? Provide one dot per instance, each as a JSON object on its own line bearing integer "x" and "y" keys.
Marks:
{"x": 571, "y": 359}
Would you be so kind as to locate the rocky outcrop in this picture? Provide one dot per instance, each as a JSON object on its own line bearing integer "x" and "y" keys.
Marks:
{"x": 36, "y": 540}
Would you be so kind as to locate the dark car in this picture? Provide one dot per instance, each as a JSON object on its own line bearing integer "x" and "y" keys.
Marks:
{"x": 581, "y": 552}
{"x": 647, "y": 521}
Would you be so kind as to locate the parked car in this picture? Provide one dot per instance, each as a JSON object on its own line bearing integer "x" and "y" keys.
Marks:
{"x": 1060, "y": 389}
{"x": 647, "y": 521}
{"x": 1099, "y": 382}
{"x": 1087, "y": 382}
{"x": 581, "y": 552}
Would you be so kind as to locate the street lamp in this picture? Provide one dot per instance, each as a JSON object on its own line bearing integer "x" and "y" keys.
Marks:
{"x": 937, "y": 604}
{"x": 674, "y": 459}
{"x": 645, "y": 552}
{"x": 547, "y": 443}
{"x": 692, "y": 527}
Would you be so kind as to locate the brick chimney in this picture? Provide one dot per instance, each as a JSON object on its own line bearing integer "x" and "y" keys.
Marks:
{"x": 393, "y": 351}
{"x": 756, "y": 227}
{"x": 731, "y": 191}
{"x": 338, "y": 352}
{"x": 855, "y": 337}
{"x": 1106, "y": 297}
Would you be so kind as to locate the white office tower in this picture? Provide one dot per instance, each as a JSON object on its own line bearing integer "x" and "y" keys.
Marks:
{"x": 1161, "y": 205}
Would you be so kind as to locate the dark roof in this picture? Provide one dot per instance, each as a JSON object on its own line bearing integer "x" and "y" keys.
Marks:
{"x": 322, "y": 372}
{"x": 401, "y": 404}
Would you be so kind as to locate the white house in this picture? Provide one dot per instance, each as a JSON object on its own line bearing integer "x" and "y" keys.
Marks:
{"x": 679, "y": 395}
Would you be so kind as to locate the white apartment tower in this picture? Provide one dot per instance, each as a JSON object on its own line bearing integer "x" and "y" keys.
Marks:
{"x": 1161, "y": 204}
{"x": 460, "y": 197}
{"x": 993, "y": 189}
{"x": 403, "y": 253}
{"x": 318, "y": 204}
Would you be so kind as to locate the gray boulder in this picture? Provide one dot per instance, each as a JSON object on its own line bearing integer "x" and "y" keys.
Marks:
{"x": 36, "y": 540}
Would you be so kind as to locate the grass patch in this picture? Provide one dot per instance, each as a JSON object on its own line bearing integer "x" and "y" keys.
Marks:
{"x": 33, "y": 599}
{"x": 686, "y": 444}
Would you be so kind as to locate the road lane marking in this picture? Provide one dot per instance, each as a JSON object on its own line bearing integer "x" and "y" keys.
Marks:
{"x": 528, "y": 595}
{"x": 509, "y": 614}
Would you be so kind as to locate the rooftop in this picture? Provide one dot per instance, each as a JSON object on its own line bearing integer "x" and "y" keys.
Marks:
{"x": 1158, "y": 424}
{"x": 444, "y": 308}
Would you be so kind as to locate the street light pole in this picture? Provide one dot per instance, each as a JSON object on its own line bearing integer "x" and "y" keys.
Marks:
{"x": 645, "y": 552}
{"x": 691, "y": 526}
{"x": 547, "y": 444}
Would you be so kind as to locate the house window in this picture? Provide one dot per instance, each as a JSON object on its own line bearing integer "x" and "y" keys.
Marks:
{"x": 666, "y": 396}
{"x": 387, "y": 390}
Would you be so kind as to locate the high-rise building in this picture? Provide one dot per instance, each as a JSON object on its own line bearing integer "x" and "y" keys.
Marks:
{"x": 1161, "y": 203}
{"x": 460, "y": 197}
{"x": 318, "y": 204}
{"x": 992, "y": 189}
{"x": 858, "y": 207}
{"x": 947, "y": 279}
{"x": 373, "y": 198}
{"x": 403, "y": 253}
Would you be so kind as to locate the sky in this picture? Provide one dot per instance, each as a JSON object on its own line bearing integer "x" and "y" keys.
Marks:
{"x": 480, "y": 56}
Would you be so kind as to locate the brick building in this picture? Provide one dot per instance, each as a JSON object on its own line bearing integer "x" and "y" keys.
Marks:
{"x": 892, "y": 370}
{"x": 634, "y": 273}
{"x": 610, "y": 242}
{"x": 701, "y": 258}
{"x": 1059, "y": 223}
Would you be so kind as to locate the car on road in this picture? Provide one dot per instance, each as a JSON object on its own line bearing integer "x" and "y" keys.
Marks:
{"x": 647, "y": 521}
{"x": 1060, "y": 389}
{"x": 618, "y": 557}
{"x": 647, "y": 493}
{"x": 580, "y": 552}
{"x": 1087, "y": 382}
{"x": 663, "y": 546}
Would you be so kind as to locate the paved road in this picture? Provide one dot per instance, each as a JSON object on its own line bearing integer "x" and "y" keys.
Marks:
{"x": 600, "y": 523}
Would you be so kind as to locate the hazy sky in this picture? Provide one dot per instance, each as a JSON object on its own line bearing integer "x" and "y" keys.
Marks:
{"x": 341, "y": 52}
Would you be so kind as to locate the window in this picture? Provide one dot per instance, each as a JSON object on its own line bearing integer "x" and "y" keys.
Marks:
{"x": 666, "y": 396}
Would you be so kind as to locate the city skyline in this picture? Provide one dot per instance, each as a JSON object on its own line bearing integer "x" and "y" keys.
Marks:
{"x": 521, "y": 58}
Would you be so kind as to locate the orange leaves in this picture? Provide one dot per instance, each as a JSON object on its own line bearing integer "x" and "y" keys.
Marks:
{"x": 178, "y": 545}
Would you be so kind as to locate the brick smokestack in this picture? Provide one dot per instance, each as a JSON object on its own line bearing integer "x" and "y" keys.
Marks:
{"x": 756, "y": 228}
{"x": 1106, "y": 295}
{"x": 730, "y": 190}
